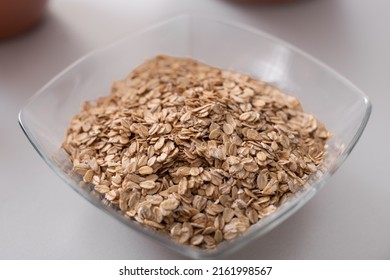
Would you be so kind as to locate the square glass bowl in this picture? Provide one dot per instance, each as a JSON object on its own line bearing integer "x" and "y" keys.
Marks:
{"x": 342, "y": 107}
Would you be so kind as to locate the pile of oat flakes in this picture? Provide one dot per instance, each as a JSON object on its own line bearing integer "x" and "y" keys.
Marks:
{"x": 194, "y": 151}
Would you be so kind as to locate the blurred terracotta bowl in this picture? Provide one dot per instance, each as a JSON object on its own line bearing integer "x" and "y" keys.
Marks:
{"x": 19, "y": 16}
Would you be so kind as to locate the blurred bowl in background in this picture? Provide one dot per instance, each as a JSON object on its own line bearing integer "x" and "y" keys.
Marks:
{"x": 265, "y": 1}
{"x": 19, "y": 16}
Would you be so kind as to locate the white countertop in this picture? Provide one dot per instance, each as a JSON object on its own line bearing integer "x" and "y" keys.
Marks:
{"x": 42, "y": 218}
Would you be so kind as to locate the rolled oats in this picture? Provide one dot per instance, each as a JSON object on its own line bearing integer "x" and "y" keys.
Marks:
{"x": 193, "y": 151}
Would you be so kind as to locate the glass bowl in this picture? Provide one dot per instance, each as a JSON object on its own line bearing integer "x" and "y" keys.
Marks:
{"x": 342, "y": 107}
